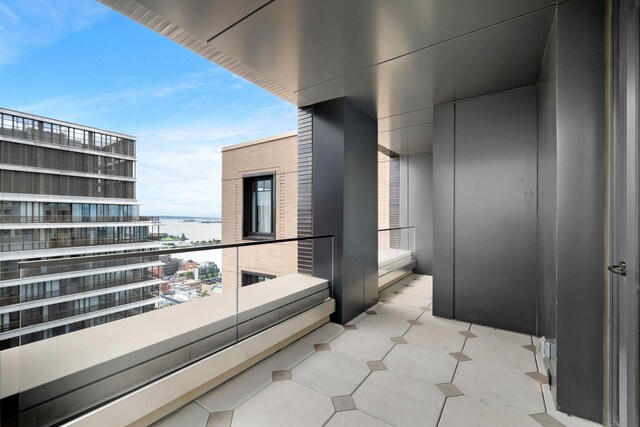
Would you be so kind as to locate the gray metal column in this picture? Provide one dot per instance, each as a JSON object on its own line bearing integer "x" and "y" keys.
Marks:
{"x": 581, "y": 207}
{"x": 345, "y": 186}
{"x": 443, "y": 192}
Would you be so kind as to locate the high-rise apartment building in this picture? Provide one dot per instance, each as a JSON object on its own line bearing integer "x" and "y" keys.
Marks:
{"x": 65, "y": 190}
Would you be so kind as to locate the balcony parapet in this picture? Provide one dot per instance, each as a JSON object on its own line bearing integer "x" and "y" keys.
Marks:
{"x": 80, "y": 369}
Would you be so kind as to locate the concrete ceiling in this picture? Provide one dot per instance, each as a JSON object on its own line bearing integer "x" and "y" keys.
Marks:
{"x": 396, "y": 59}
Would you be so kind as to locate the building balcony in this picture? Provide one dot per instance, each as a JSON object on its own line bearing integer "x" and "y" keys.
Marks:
{"x": 72, "y": 293}
{"x": 21, "y": 220}
{"x": 40, "y": 322}
{"x": 396, "y": 365}
{"x": 59, "y": 272}
{"x": 62, "y": 251}
{"x": 267, "y": 354}
{"x": 55, "y": 133}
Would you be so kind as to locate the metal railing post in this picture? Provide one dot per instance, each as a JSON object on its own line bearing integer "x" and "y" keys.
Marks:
{"x": 414, "y": 243}
{"x": 237, "y": 292}
{"x": 333, "y": 265}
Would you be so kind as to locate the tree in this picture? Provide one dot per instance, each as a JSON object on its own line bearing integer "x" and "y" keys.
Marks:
{"x": 183, "y": 237}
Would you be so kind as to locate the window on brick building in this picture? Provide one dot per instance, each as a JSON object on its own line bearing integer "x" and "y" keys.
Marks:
{"x": 253, "y": 278}
{"x": 259, "y": 207}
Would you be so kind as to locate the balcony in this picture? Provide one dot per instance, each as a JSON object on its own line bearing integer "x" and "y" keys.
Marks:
{"x": 76, "y": 219}
{"x": 74, "y": 288}
{"x": 395, "y": 365}
{"x": 266, "y": 354}
{"x": 66, "y": 350}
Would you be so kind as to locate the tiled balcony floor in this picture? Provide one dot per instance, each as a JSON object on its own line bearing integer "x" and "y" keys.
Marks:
{"x": 396, "y": 365}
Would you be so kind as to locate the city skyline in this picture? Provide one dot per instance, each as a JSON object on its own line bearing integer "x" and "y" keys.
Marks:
{"x": 168, "y": 98}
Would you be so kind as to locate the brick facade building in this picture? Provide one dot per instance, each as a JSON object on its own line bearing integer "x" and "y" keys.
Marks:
{"x": 276, "y": 160}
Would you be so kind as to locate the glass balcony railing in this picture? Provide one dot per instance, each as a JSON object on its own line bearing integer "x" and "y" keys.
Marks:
{"x": 396, "y": 249}
{"x": 77, "y": 332}
{"x": 74, "y": 285}
{"x": 18, "y": 243}
{"x": 55, "y": 219}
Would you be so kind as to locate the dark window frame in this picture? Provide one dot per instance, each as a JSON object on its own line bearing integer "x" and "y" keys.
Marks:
{"x": 249, "y": 274}
{"x": 247, "y": 182}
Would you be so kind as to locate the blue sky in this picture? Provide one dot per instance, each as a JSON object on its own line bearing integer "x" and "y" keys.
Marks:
{"x": 77, "y": 60}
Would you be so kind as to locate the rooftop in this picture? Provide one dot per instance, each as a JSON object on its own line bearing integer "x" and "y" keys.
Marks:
{"x": 260, "y": 141}
{"x": 63, "y": 123}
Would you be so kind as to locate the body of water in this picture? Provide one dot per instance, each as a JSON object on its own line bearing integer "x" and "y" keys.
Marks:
{"x": 195, "y": 231}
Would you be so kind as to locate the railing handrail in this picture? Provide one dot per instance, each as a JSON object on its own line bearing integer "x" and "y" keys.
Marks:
{"x": 397, "y": 228}
{"x": 92, "y": 258}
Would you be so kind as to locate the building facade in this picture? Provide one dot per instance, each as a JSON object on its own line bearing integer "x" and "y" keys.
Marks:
{"x": 276, "y": 158}
{"x": 259, "y": 201}
{"x": 388, "y": 199}
{"x": 65, "y": 190}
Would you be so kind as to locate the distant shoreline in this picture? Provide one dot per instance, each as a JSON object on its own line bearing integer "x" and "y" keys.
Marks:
{"x": 212, "y": 219}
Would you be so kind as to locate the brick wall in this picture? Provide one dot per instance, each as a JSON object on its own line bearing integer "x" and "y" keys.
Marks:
{"x": 383, "y": 199}
{"x": 277, "y": 155}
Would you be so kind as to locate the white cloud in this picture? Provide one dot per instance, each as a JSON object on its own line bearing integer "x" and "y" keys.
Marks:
{"x": 180, "y": 180}
{"x": 32, "y": 24}
{"x": 179, "y": 169}
{"x": 126, "y": 93}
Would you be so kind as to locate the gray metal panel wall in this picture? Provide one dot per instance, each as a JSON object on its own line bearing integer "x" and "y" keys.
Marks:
{"x": 417, "y": 203}
{"x": 345, "y": 202}
{"x": 495, "y": 210}
{"x": 305, "y": 193}
{"x": 547, "y": 194}
{"x": 581, "y": 204}
{"x": 361, "y": 197}
{"x": 328, "y": 192}
{"x": 443, "y": 226}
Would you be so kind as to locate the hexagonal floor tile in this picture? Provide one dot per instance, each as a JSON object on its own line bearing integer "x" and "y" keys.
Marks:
{"x": 455, "y": 325}
{"x": 232, "y": 393}
{"x": 411, "y": 300}
{"x": 354, "y": 419}
{"x": 500, "y": 334}
{"x": 289, "y": 357}
{"x": 502, "y": 353}
{"x": 421, "y": 288}
{"x": 399, "y": 400}
{"x": 362, "y": 345}
{"x": 500, "y": 386}
{"x": 434, "y": 337}
{"x": 331, "y": 373}
{"x": 424, "y": 365}
{"x": 400, "y": 311}
{"x": 324, "y": 333}
{"x": 284, "y": 403}
{"x": 383, "y": 325}
{"x": 190, "y": 414}
{"x": 464, "y": 411}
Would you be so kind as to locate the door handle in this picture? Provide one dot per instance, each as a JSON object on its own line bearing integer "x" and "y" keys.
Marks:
{"x": 619, "y": 269}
